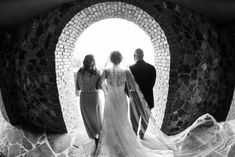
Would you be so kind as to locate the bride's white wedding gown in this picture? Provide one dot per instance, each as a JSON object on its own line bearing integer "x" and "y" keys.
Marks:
{"x": 118, "y": 139}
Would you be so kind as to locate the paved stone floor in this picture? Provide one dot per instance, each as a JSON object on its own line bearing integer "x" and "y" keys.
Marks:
{"x": 27, "y": 141}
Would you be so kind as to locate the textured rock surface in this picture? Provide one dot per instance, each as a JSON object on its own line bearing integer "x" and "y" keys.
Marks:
{"x": 45, "y": 144}
{"x": 42, "y": 150}
{"x": 59, "y": 142}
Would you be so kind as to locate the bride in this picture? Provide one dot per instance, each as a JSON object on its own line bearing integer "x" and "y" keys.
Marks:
{"x": 118, "y": 139}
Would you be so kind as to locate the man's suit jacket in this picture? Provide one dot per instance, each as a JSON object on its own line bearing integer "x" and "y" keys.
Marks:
{"x": 145, "y": 75}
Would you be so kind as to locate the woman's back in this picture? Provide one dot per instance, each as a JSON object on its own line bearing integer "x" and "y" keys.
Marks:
{"x": 88, "y": 82}
{"x": 115, "y": 77}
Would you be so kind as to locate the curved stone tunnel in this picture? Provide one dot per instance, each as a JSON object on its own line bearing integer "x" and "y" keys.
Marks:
{"x": 194, "y": 62}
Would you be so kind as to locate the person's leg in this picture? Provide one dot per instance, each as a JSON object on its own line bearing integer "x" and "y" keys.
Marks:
{"x": 96, "y": 142}
{"x": 135, "y": 117}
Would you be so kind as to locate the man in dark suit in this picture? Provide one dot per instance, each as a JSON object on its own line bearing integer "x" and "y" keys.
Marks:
{"x": 145, "y": 75}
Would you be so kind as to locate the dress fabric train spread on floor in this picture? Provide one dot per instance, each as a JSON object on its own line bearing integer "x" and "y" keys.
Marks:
{"x": 119, "y": 140}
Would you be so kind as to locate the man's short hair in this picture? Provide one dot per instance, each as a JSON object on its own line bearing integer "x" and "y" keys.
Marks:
{"x": 139, "y": 53}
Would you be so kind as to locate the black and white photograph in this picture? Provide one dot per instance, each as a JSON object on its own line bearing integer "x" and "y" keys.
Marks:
{"x": 123, "y": 78}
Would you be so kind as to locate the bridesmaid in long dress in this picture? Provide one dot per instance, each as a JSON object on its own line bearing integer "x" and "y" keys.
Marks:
{"x": 88, "y": 81}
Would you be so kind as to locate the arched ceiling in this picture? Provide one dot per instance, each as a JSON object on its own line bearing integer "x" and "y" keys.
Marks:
{"x": 14, "y": 12}
{"x": 221, "y": 11}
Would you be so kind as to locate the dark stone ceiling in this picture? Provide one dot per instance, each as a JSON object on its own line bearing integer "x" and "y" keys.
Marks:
{"x": 14, "y": 12}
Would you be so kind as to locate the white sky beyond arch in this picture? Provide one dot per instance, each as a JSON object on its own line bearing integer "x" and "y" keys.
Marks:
{"x": 108, "y": 35}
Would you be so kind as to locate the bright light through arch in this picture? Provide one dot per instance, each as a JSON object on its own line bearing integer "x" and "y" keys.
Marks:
{"x": 108, "y": 35}
{"x": 76, "y": 27}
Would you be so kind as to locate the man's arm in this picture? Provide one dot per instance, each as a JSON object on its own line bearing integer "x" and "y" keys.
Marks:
{"x": 77, "y": 82}
{"x": 77, "y": 87}
{"x": 126, "y": 90}
{"x": 99, "y": 81}
{"x": 154, "y": 77}
{"x": 128, "y": 76}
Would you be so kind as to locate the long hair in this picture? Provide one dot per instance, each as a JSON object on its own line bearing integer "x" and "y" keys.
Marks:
{"x": 89, "y": 65}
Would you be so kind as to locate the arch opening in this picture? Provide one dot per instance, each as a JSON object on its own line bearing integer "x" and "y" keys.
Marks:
{"x": 74, "y": 29}
{"x": 111, "y": 34}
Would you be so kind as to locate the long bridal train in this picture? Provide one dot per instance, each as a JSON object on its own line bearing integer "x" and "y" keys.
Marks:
{"x": 205, "y": 137}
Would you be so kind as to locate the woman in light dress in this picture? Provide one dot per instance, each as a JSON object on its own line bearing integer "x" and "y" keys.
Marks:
{"x": 88, "y": 81}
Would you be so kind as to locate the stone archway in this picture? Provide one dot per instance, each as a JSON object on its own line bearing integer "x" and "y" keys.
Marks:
{"x": 200, "y": 73}
{"x": 97, "y": 12}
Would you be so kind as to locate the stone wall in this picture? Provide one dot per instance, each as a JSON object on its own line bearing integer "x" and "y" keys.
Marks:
{"x": 231, "y": 112}
{"x": 199, "y": 79}
{"x": 35, "y": 64}
{"x": 198, "y": 67}
{"x": 8, "y": 86}
{"x": 227, "y": 41}
{"x": 3, "y": 112}
{"x": 28, "y": 84}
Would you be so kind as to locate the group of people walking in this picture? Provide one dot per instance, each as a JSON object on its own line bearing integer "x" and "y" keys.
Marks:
{"x": 121, "y": 131}
{"x": 90, "y": 80}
